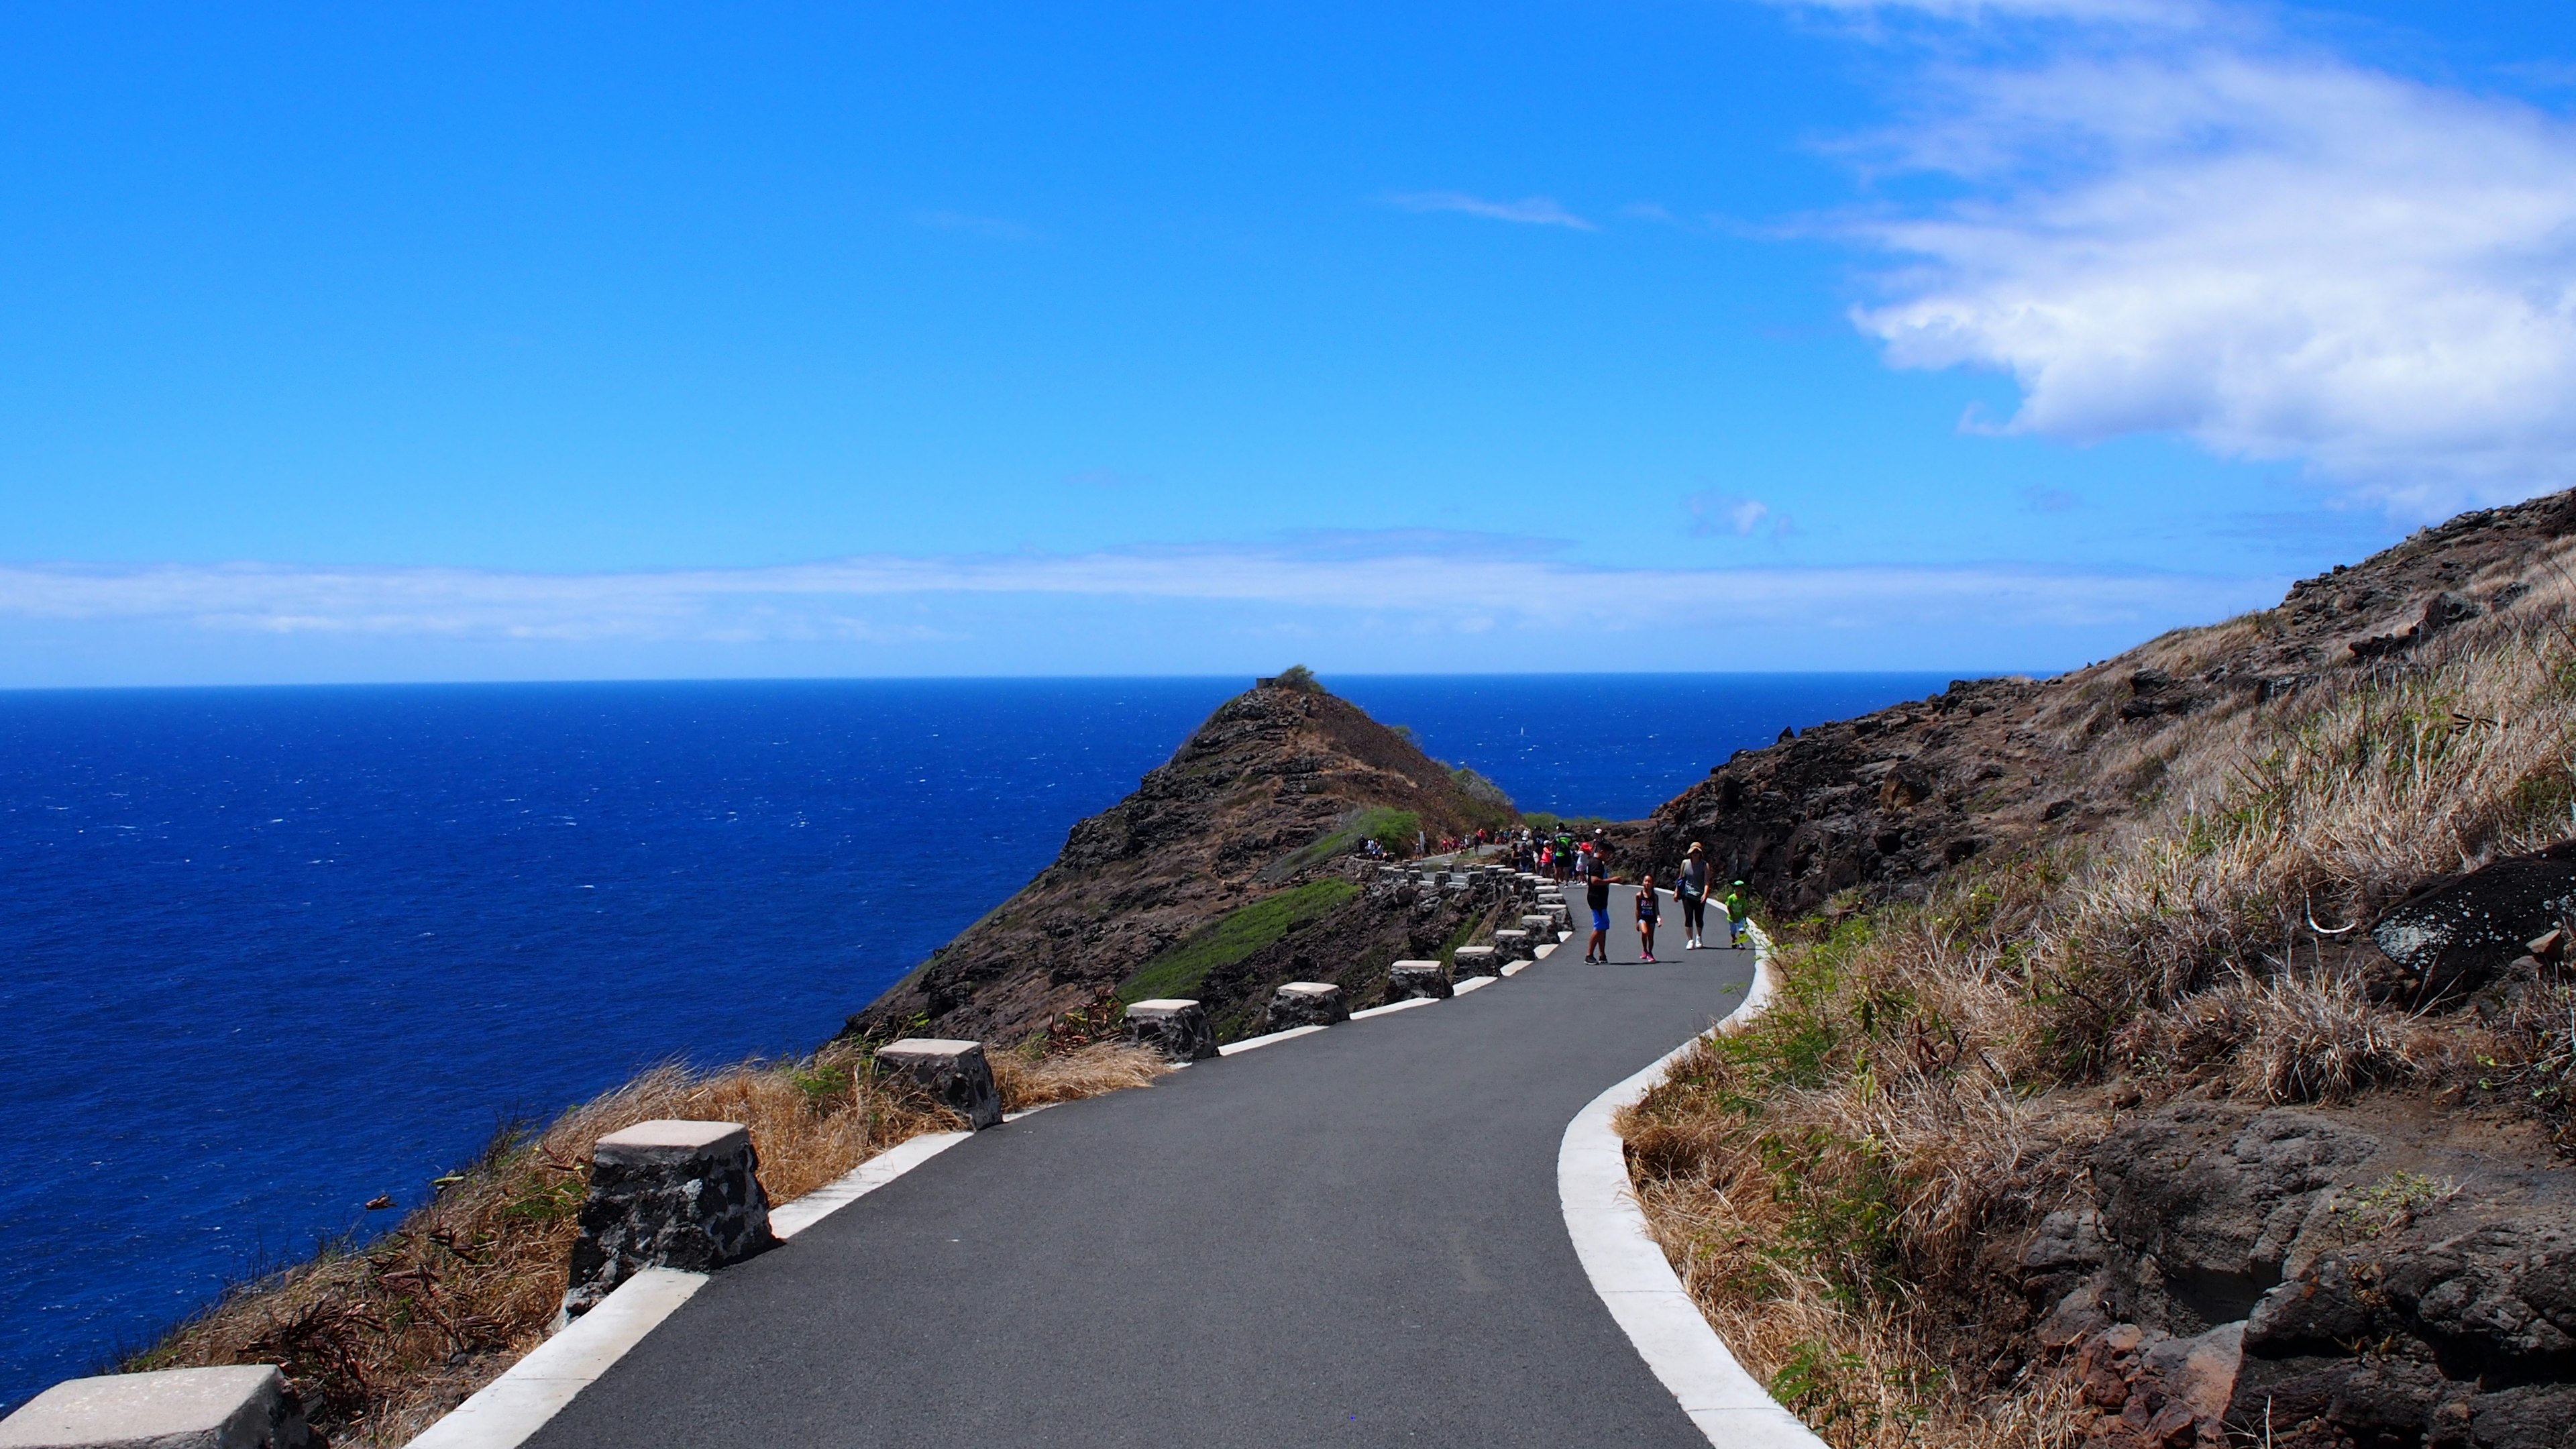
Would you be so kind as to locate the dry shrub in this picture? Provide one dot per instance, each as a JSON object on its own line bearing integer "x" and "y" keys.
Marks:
{"x": 1036, "y": 1081}
{"x": 2304, "y": 1036}
{"x": 1830, "y": 1181}
{"x": 382, "y": 1339}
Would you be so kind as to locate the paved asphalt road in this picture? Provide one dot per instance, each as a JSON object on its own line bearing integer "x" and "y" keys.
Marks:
{"x": 1348, "y": 1238}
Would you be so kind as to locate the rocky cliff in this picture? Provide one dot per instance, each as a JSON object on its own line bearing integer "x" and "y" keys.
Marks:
{"x": 1215, "y": 877}
{"x": 1884, "y": 803}
{"x": 2181, "y": 1051}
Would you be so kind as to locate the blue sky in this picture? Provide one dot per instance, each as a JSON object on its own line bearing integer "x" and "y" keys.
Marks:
{"x": 1957, "y": 334}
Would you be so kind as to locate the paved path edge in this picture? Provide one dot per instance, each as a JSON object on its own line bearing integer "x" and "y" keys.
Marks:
{"x": 508, "y": 1411}
{"x": 1638, "y": 1286}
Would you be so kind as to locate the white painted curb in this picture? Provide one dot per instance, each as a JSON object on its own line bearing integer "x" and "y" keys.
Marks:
{"x": 518, "y": 1403}
{"x": 504, "y": 1413}
{"x": 861, "y": 1180}
{"x": 1628, "y": 1269}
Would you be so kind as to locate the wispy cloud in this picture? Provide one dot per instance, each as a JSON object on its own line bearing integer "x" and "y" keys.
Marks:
{"x": 997, "y": 228}
{"x": 2221, "y": 233}
{"x": 1714, "y": 515}
{"x": 1529, "y": 210}
{"x": 1443, "y": 583}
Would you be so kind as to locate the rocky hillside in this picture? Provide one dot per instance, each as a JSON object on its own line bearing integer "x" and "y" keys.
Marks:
{"x": 1884, "y": 803}
{"x": 2178, "y": 1052}
{"x": 1209, "y": 879}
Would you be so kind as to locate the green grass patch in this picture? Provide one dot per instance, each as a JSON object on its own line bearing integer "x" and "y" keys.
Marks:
{"x": 1178, "y": 969}
{"x": 1394, "y": 829}
{"x": 1548, "y": 822}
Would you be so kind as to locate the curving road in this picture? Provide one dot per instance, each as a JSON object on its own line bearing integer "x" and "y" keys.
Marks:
{"x": 1351, "y": 1237}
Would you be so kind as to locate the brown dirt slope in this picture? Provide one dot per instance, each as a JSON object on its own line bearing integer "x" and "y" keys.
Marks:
{"x": 1882, "y": 804}
{"x": 1254, "y": 802}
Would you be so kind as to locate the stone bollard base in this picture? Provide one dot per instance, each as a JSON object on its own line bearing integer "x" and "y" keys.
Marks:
{"x": 1512, "y": 945}
{"x": 1407, "y": 979}
{"x": 955, "y": 1072}
{"x": 201, "y": 1408}
{"x": 1478, "y": 960}
{"x": 667, "y": 1194}
{"x": 1307, "y": 1003}
{"x": 1175, "y": 1026}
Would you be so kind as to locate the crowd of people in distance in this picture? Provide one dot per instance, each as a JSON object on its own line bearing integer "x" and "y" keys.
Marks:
{"x": 1564, "y": 857}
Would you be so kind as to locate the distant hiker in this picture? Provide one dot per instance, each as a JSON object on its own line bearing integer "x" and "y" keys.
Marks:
{"x": 1690, "y": 887}
{"x": 1739, "y": 910}
{"x": 1649, "y": 910}
{"x": 1596, "y": 894}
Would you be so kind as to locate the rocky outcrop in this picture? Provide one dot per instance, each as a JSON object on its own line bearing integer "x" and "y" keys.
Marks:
{"x": 2451, "y": 936}
{"x": 1276, "y": 787}
{"x": 2394, "y": 1276}
{"x": 1884, "y": 803}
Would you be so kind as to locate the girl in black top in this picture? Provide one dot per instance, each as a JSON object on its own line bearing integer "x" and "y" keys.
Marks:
{"x": 1648, "y": 910}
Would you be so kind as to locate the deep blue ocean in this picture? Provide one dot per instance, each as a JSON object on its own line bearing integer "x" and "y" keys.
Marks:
{"x": 266, "y": 953}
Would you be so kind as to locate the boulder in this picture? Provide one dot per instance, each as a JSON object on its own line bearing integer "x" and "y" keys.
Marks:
{"x": 2155, "y": 1391}
{"x": 955, "y": 1073}
{"x": 1174, "y": 1026}
{"x": 667, "y": 1194}
{"x": 2441, "y": 1332}
{"x": 1307, "y": 1003}
{"x": 1409, "y": 979}
{"x": 248, "y": 1407}
{"x": 2203, "y": 1202}
{"x": 2452, "y": 936}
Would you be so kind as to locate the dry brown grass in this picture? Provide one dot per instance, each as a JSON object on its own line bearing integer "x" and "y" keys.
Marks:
{"x": 1932, "y": 1075}
{"x": 382, "y": 1339}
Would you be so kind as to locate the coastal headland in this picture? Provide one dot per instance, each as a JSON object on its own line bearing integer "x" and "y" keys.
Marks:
{"x": 2170, "y": 1052}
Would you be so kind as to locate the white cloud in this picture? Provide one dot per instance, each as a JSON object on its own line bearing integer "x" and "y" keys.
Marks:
{"x": 1713, "y": 514}
{"x": 1529, "y": 210}
{"x": 2276, "y": 253}
{"x": 1436, "y": 585}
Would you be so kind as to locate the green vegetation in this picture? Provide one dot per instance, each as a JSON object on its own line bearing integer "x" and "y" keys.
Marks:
{"x": 1297, "y": 677}
{"x": 1549, "y": 823}
{"x": 1178, "y": 969}
{"x": 1391, "y": 828}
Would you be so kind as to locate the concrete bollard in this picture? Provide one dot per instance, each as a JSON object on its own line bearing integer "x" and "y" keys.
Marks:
{"x": 667, "y": 1194}
{"x": 1514, "y": 945}
{"x": 1478, "y": 960}
{"x": 954, "y": 1072}
{"x": 1539, "y": 923}
{"x": 1175, "y": 1026}
{"x": 1417, "y": 978}
{"x": 247, "y": 1407}
{"x": 1307, "y": 1003}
